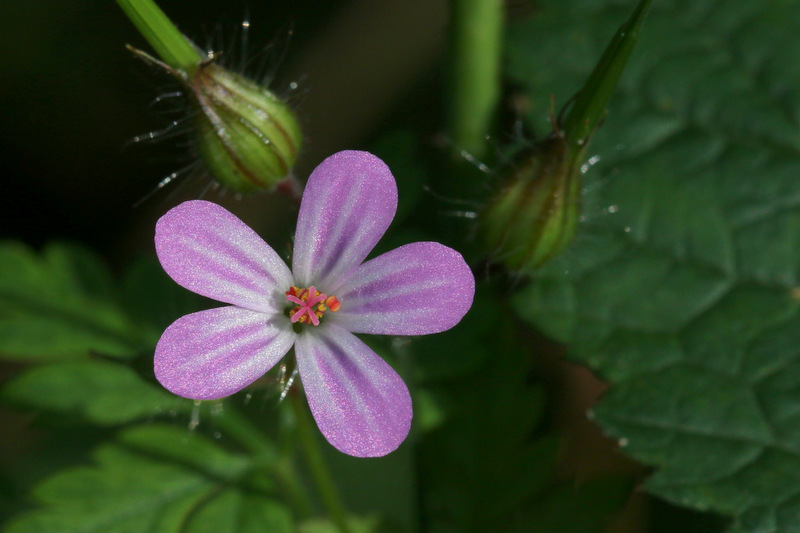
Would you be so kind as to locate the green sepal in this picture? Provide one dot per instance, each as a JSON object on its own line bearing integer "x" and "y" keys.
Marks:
{"x": 534, "y": 215}
{"x": 590, "y": 103}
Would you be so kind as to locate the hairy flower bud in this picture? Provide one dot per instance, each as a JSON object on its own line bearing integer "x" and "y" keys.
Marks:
{"x": 247, "y": 136}
{"x": 534, "y": 215}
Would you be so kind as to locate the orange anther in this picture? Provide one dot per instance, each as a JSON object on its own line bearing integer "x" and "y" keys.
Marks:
{"x": 332, "y": 303}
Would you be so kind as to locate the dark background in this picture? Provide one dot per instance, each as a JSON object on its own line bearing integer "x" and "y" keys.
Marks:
{"x": 72, "y": 98}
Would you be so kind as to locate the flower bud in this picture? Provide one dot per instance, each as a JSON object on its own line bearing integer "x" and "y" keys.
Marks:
{"x": 534, "y": 215}
{"x": 247, "y": 137}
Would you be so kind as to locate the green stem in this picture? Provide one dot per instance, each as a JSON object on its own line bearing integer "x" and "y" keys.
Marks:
{"x": 288, "y": 478}
{"x": 476, "y": 42}
{"x": 169, "y": 43}
{"x": 316, "y": 464}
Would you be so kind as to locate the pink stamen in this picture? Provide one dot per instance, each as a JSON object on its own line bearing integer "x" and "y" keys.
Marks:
{"x": 306, "y": 307}
{"x": 299, "y": 314}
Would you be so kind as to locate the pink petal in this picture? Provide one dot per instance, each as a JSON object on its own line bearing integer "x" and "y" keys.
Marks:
{"x": 217, "y": 352}
{"x": 359, "y": 402}
{"x": 348, "y": 204}
{"x": 206, "y": 249}
{"x": 419, "y": 288}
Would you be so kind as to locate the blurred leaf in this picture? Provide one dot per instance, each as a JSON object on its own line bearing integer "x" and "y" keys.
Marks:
{"x": 185, "y": 447}
{"x": 137, "y": 487}
{"x": 80, "y": 268}
{"x": 60, "y": 304}
{"x": 486, "y": 462}
{"x": 233, "y": 509}
{"x": 323, "y": 525}
{"x": 101, "y": 392}
{"x": 681, "y": 286}
{"x": 236, "y": 512}
{"x": 123, "y": 492}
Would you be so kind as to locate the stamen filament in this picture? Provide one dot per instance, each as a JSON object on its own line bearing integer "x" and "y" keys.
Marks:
{"x": 311, "y": 304}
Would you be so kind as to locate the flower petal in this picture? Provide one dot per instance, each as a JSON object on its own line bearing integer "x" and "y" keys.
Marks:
{"x": 207, "y": 250}
{"x": 419, "y": 288}
{"x": 217, "y": 352}
{"x": 349, "y": 201}
{"x": 359, "y": 402}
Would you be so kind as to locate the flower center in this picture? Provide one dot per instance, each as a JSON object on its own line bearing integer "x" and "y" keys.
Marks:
{"x": 310, "y": 305}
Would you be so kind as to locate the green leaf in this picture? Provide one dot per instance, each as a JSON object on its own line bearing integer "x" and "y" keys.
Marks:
{"x": 60, "y": 304}
{"x": 124, "y": 492}
{"x": 78, "y": 267}
{"x": 681, "y": 286}
{"x": 101, "y": 392}
{"x": 138, "y": 487}
{"x": 234, "y": 511}
{"x": 185, "y": 447}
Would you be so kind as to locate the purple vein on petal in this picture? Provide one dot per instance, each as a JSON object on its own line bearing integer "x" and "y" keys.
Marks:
{"x": 206, "y": 249}
{"x": 419, "y": 288}
{"x": 217, "y": 352}
{"x": 349, "y": 202}
{"x": 359, "y": 402}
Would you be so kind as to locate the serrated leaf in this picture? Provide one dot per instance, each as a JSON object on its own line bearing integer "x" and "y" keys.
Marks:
{"x": 137, "y": 486}
{"x": 60, "y": 305}
{"x": 681, "y": 286}
{"x": 101, "y": 392}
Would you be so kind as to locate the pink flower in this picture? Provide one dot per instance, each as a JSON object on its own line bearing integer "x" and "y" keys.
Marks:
{"x": 359, "y": 402}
